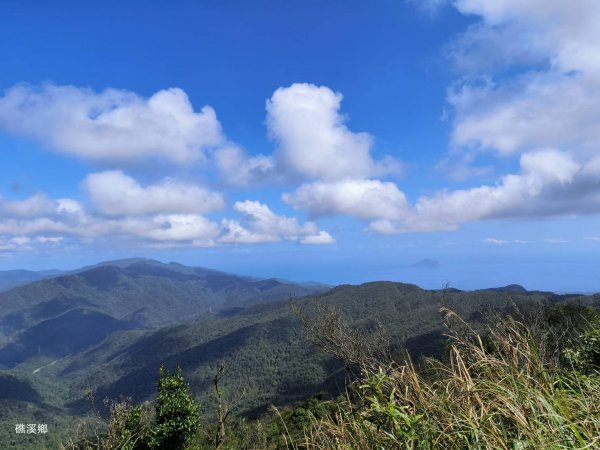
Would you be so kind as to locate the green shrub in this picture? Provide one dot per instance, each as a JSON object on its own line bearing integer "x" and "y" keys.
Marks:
{"x": 584, "y": 354}
{"x": 177, "y": 416}
{"x": 170, "y": 425}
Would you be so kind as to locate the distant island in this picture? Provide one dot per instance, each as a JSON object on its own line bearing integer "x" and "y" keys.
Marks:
{"x": 427, "y": 264}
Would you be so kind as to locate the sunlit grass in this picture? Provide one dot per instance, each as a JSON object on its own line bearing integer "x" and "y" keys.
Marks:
{"x": 495, "y": 392}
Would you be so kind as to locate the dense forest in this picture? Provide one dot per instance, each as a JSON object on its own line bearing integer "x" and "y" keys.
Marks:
{"x": 528, "y": 378}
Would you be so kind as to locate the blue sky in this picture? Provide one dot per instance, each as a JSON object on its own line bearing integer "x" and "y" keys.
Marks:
{"x": 338, "y": 141}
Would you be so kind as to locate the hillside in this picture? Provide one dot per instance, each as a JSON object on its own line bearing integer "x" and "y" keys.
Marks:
{"x": 268, "y": 337}
{"x": 238, "y": 322}
{"x": 59, "y": 316}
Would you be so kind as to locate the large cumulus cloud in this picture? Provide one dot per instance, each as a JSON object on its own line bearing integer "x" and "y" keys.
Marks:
{"x": 112, "y": 125}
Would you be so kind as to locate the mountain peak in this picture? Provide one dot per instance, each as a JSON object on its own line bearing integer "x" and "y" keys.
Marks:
{"x": 513, "y": 288}
{"x": 121, "y": 263}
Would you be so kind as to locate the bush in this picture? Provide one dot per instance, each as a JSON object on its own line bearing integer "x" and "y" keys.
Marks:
{"x": 170, "y": 425}
{"x": 177, "y": 416}
{"x": 584, "y": 354}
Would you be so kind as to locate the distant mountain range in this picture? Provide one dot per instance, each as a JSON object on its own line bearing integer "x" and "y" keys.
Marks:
{"x": 61, "y": 315}
{"x": 110, "y": 327}
{"x": 13, "y": 278}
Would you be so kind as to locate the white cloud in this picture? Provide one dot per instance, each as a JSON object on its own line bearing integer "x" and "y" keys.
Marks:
{"x": 322, "y": 237}
{"x": 546, "y": 185}
{"x": 550, "y": 183}
{"x": 68, "y": 207}
{"x": 161, "y": 228}
{"x": 116, "y": 194}
{"x": 57, "y": 219}
{"x": 537, "y": 111}
{"x": 31, "y": 206}
{"x": 68, "y": 221}
{"x": 494, "y": 241}
{"x": 429, "y": 7}
{"x": 315, "y": 145}
{"x": 174, "y": 227}
{"x": 18, "y": 244}
{"x": 555, "y": 241}
{"x": 531, "y": 97}
{"x": 366, "y": 199}
{"x": 37, "y": 214}
{"x": 237, "y": 168}
{"x": 313, "y": 139}
{"x": 566, "y": 33}
{"x": 551, "y": 100}
{"x": 15, "y": 244}
{"x": 113, "y": 125}
{"x": 260, "y": 224}
{"x": 183, "y": 229}
{"x": 49, "y": 240}
{"x": 543, "y": 110}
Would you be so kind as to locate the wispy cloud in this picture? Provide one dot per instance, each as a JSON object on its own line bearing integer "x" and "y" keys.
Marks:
{"x": 428, "y": 7}
{"x": 555, "y": 241}
{"x": 19, "y": 244}
{"x": 494, "y": 241}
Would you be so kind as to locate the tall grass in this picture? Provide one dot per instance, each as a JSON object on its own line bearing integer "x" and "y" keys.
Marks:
{"x": 492, "y": 392}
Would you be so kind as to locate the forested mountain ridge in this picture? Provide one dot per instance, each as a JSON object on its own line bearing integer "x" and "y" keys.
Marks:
{"x": 58, "y": 316}
{"x": 246, "y": 324}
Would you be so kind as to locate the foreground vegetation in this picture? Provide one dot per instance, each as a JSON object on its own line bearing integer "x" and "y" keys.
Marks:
{"x": 529, "y": 378}
{"x": 501, "y": 391}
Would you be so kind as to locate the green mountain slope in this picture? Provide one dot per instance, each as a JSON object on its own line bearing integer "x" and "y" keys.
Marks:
{"x": 85, "y": 307}
{"x": 264, "y": 346}
{"x": 238, "y": 322}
